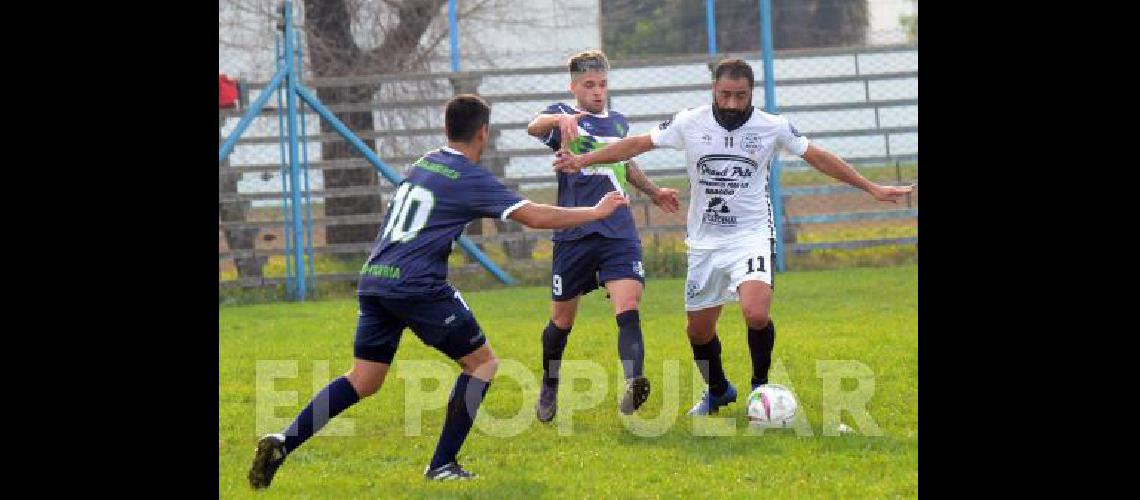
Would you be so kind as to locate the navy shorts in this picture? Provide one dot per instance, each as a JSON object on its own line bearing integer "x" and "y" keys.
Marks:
{"x": 445, "y": 324}
{"x": 582, "y": 265}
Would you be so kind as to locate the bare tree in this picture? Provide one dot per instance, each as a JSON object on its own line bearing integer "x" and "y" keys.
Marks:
{"x": 798, "y": 24}
{"x": 841, "y": 23}
{"x": 345, "y": 38}
{"x": 334, "y": 51}
{"x": 348, "y": 38}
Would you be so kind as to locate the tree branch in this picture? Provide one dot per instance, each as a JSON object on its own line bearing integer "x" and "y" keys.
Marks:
{"x": 413, "y": 18}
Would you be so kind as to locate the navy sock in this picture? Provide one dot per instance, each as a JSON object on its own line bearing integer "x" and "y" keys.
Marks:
{"x": 466, "y": 397}
{"x": 707, "y": 357}
{"x": 336, "y": 397}
{"x": 553, "y": 345}
{"x": 630, "y": 347}
{"x": 760, "y": 343}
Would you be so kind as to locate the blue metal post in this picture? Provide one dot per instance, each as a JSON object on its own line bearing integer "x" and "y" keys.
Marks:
{"x": 231, "y": 141}
{"x": 305, "y": 163}
{"x": 770, "y": 106}
{"x": 294, "y": 184}
{"x": 394, "y": 177}
{"x": 710, "y": 18}
{"x": 453, "y": 33}
{"x": 284, "y": 173}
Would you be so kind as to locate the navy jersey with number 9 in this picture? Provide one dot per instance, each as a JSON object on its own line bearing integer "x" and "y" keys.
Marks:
{"x": 443, "y": 192}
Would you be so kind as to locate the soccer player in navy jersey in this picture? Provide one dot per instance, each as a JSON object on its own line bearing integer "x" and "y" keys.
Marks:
{"x": 404, "y": 285}
{"x": 606, "y": 252}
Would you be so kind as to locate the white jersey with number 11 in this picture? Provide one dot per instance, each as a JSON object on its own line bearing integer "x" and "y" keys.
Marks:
{"x": 730, "y": 203}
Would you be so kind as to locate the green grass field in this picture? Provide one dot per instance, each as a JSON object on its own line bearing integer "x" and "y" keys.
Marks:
{"x": 865, "y": 316}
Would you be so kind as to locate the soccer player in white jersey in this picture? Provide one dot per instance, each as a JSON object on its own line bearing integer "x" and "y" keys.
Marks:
{"x": 729, "y": 147}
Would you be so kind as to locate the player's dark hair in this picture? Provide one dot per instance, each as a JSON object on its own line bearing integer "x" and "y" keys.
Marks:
{"x": 464, "y": 116}
{"x": 588, "y": 60}
{"x": 734, "y": 68}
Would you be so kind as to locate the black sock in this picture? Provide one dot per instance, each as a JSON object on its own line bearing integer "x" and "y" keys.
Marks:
{"x": 630, "y": 347}
{"x": 707, "y": 357}
{"x": 553, "y": 344}
{"x": 337, "y": 396}
{"x": 462, "y": 407}
{"x": 760, "y": 344}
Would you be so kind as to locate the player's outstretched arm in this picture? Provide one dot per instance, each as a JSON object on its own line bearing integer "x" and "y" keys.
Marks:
{"x": 540, "y": 216}
{"x": 542, "y": 124}
{"x": 664, "y": 198}
{"x": 567, "y": 125}
{"x": 621, "y": 150}
{"x": 834, "y": 166}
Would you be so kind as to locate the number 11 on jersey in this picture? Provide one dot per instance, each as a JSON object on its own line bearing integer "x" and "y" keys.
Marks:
{"x": 759, "y": 264}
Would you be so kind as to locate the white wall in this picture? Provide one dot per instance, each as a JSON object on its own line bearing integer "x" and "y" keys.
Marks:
{"x": 884, "y": 23}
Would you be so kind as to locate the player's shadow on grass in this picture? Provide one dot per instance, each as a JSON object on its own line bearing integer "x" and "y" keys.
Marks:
{"x": 772, "y": 441}
{"x": 490, "y": 484}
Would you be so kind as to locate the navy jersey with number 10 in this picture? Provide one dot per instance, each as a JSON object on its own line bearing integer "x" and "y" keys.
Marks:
{"x": 443, "y": 192}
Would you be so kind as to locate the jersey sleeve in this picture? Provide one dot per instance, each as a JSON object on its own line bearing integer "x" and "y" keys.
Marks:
{"x": 487, "y": 197}
{"x": 621, "y": 124}
{"x": 791, "y": 139}
{"x": 670, "y": 133}
{"x": 553, "y": 139}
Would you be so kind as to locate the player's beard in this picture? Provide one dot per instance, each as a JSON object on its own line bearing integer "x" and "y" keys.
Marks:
{"x": 731, "y": 119}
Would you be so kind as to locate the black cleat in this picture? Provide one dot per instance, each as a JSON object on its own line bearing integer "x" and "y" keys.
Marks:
{"x": 447, "y": 472}
{"x": 270, "y": 454}
{"x": 547, "y": 403}
{"x": 636, "y": 392}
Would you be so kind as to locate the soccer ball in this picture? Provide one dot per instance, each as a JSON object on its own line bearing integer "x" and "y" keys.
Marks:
{"x": 772, "y": 405}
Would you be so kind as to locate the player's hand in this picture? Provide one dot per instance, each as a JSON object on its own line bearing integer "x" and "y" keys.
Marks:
{"x": 666, "y": 200}
{"x": 610, "y": 202}
{"x": 567, "y": 162}
{"x": 890, "y": 193}
{"x": 568, "y": 127}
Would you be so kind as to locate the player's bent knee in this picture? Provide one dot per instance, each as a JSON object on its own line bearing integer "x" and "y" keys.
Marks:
{"x": 700, "y": 336}
{"x": 490, "y": 367}
{"x": 366, "y": 390}
{"x": 365, "y": 384}
{"x": 564, "y": 320}
{"x": 625, "y": 305}
{"x": 757, "y": 320}
{"x": 563, "y": 323}
{"x": 484, "y": 369}
{"x": 482, "y": 364}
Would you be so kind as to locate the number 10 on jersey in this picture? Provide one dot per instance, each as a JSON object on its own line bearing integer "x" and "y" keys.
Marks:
{"x": 411, "y": 207}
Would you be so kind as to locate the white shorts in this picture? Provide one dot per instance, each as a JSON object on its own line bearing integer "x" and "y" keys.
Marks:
{"x": 714, "y": 275}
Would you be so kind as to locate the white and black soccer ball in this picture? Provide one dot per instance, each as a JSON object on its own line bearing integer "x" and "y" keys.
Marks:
{"x": 772, "y": 405}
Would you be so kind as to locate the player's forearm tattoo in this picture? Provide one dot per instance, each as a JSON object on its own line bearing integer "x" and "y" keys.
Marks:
{"x": 638, "y": 179}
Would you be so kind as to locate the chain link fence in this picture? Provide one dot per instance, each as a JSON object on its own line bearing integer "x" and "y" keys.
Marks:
{"x": 858, "y": 101}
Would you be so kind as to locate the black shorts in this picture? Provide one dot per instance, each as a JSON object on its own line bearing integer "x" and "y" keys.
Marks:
{"x": 579, "y": 266}
{"x": 445, "y": 324}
